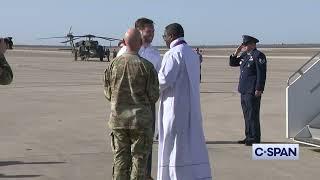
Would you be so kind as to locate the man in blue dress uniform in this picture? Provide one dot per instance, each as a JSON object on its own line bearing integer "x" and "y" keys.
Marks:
{"x": 253, "y": 68}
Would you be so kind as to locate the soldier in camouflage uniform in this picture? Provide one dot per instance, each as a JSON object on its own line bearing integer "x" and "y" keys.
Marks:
{"x": 131, "y": 85}
{"x": 6, "y": 74}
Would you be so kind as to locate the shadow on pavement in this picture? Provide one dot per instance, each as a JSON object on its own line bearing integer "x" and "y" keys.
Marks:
{"x": 9, "y": 163}
{"x": 18, "y": 176}
{"x": 217, "y": 92}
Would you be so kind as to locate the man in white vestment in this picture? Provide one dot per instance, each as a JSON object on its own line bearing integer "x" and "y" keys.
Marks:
{"x": 146, "y": 28}
{"x": 182, "y": 154}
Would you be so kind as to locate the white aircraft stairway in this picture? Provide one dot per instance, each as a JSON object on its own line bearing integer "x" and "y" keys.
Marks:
{"x": 303, "y": 103}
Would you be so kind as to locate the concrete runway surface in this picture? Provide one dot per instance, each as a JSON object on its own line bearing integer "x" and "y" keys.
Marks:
{"x": 54, "y": 118}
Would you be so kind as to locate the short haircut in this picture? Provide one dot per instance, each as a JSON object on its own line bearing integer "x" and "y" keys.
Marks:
{"x": 142, "y": 22}
{"x": 175, "y": 29}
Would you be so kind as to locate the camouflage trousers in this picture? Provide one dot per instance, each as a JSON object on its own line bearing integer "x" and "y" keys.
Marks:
{"x": 131, "y": 149}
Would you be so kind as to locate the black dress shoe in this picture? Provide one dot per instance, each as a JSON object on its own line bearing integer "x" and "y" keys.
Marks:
{"x": 249, "y": 143}
{"x": 242, "y": 141}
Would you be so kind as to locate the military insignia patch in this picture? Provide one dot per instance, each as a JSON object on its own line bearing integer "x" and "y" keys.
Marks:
{"x": 262, "y": 61}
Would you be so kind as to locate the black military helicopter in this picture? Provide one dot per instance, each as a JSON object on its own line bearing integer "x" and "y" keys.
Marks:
{"x": 87, "y": 48}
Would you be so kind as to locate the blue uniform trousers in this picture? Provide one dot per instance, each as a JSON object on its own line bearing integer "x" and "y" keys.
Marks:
{"x": 251, "y": 112}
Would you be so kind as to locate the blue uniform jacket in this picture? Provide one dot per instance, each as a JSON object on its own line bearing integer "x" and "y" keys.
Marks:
{"x": 253, "y": 70}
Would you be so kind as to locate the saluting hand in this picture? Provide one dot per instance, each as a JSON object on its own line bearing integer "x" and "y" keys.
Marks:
{"x": 238, "y": 50}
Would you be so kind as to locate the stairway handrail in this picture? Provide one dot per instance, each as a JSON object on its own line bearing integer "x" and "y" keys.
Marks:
{"x": 299, "y": 71}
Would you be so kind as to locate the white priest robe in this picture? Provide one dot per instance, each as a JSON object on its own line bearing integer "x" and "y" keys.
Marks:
{"x": 182, "y": 153}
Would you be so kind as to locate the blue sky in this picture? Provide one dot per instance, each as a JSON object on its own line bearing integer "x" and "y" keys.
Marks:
{"x": 206, "y": 22}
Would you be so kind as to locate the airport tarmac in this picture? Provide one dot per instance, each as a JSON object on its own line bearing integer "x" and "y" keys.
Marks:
{"x": 54, "y": 118}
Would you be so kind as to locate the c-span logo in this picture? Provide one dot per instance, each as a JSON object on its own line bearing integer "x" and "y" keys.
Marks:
{"x": 275, "y": 151}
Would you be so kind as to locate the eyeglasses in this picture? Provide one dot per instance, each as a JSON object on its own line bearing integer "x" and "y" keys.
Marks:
{"x": 164, "y": 37}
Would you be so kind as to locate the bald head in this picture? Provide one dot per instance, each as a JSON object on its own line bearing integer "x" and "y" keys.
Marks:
{"x": 133, "y": 40}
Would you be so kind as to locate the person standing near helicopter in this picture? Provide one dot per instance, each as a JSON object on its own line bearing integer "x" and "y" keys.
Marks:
{"x": 6, "y": 74}
{"x": 108, "y": 54}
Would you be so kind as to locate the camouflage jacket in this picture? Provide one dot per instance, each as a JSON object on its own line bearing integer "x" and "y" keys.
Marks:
{"x": 6, "y": 74}
{"x": 131, "y": 85}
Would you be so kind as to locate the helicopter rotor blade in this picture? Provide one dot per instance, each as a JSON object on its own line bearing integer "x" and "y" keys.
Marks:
{"x": 115, "y": 39}
{"x": 58, "y": 37}
{"x": 70, "y": 40}
{"x": 90, "y": 36}
{"x": 71, "y": 36}
{"x": 108, "y": 39}
{"x": 102, "y": 38}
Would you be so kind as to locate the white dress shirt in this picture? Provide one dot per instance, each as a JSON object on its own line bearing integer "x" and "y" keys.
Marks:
{"x": 149, "y": 53}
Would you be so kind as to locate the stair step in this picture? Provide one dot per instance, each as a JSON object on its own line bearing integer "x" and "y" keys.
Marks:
{"x": 315, "y": 132}
{"x": 315, "y": 123}
{"x": 309, "y": 141}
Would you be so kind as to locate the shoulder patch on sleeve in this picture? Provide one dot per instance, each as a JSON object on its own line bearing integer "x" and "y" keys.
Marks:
{"x": 262, "y": 60}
